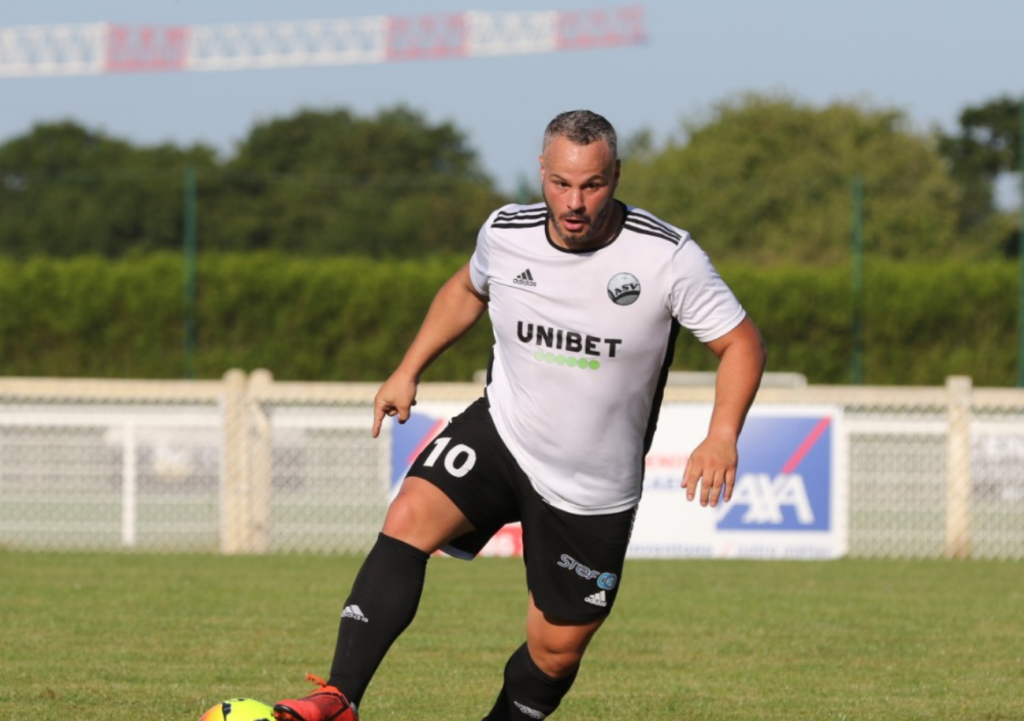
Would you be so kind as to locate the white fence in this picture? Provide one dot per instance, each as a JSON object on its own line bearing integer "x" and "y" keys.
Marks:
{"x": 250, "y": 465}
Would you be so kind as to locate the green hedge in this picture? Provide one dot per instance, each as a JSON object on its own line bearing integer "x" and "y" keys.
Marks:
{"x": 352, "y": 318}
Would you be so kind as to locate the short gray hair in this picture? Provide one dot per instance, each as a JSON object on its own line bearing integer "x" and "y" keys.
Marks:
{"x": 581, "y": 127}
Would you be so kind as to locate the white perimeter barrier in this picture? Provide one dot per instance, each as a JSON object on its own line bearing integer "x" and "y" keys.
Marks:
{"x": 250, "y": 465}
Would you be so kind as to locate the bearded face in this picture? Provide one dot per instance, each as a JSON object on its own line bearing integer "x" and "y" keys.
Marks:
{"x": 578, "y": 183}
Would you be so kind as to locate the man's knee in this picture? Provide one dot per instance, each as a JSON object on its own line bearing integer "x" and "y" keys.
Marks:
{"x": 404, "y": 514}
{"x": 556, "y": 663}
{"x": 423, "y": 516}
{"x": 558, "y": 648}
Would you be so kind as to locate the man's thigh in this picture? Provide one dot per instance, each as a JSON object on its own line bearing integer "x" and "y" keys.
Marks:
{"x": 469, "y": 463}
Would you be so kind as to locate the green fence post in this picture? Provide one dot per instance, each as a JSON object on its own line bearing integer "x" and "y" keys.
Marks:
{"x": 857, "y": 282}
{"x": 1020, "y": 260}
{"x": 191, "y": 339}
{"x": 523, "y": 191}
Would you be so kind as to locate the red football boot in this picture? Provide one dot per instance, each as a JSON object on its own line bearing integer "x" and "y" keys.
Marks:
{"x": 325, "y": 704}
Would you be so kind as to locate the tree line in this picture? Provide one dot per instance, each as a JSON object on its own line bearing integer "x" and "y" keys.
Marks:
{"x": 327, "y": 319}
{"x": 316, "y": 183}
{"x": 758, "y": 178}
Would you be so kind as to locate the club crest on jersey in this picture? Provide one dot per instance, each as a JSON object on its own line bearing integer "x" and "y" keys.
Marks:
{"x": 624, "y": 289}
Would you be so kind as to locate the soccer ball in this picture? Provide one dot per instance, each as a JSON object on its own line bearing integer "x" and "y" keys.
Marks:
{"x": 239, "y": 709}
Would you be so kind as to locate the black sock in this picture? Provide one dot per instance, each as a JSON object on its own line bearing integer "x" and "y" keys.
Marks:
{"x": 528, "y": 692}
{"x": 382, "y": 604}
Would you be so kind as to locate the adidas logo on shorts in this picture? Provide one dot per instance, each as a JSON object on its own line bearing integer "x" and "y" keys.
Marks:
{"x": 525, "y": 278}
{"x": 597, "y": 599}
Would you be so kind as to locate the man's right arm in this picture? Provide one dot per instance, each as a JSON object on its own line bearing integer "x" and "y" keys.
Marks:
{"x": 454, "y": 310}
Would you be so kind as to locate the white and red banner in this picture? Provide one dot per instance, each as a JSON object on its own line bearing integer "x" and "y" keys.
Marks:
{"x": 100, "y": 48}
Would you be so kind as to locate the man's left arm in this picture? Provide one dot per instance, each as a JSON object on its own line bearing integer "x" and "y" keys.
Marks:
{"x": 741, "y": 354}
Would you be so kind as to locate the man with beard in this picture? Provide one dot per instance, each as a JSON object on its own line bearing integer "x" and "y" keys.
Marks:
{"x": 586, "y": 296}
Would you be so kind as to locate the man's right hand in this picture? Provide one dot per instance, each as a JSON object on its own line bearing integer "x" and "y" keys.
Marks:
{"x": 395, "y": 398}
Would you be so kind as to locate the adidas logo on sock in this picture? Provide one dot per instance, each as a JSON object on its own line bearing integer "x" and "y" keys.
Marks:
{"x": 597, "y": 599}
{"x": 531, "y": 712}
{"x": 525, "y": 278}
{"x": 355, "y": 613}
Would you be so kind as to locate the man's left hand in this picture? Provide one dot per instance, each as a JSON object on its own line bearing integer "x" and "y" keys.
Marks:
{"x": 713, "y": 465}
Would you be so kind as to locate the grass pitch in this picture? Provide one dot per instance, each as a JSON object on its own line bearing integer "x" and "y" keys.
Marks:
{"x": 163, "y": 637}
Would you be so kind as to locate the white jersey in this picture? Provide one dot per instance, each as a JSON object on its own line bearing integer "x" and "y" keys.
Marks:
{"x": 583, "y": 342}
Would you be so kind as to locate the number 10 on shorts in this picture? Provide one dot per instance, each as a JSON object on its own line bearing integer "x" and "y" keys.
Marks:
{"x": 458, "y": 461}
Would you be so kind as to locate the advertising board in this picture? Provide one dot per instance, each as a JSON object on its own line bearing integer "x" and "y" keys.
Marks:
{"x": 789, "y": 501}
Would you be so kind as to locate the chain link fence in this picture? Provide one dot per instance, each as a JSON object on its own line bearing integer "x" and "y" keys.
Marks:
{"x": 250, "y": 465}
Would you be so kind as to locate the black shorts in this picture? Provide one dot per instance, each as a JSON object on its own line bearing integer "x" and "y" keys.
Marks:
{"x": 573, "y": 562}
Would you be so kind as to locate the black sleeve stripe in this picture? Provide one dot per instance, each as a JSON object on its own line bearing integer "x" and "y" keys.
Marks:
{"x": 526, "y": 211}
{"x": 519, "y": 224}
{"x": 524, "y": 216}
{"x": 636, "y": 219}
{"x": 521, "y": 215}
{"x": 673, "y": 238}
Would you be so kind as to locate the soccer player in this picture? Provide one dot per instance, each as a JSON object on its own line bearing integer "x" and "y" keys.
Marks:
{"x": 586, "y": 296}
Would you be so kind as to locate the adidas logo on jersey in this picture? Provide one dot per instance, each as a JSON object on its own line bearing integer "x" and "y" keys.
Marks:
{"x": 597, "y": 599}
{"x": 525, "y": 278}
{"x": 355, "y": 613}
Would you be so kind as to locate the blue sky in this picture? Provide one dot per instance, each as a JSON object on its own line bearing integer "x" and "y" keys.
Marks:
{"x": 928, "y": 58}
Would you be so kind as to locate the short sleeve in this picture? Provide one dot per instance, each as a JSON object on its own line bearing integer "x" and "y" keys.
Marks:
{"x": 480, "y": 263}
{"x": 700, "y": 300}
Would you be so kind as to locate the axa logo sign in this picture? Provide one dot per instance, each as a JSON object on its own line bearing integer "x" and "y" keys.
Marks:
{"x": 784, "y": 482}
